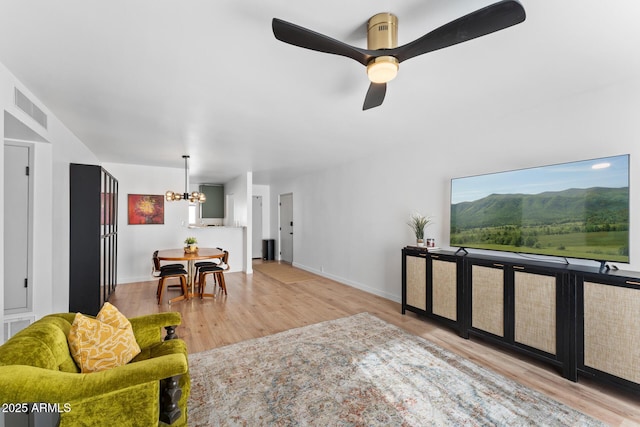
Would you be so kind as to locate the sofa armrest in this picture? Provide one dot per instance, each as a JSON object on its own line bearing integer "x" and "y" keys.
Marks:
{"x": 148, "y": 329}
{"x": 20, "y": 383}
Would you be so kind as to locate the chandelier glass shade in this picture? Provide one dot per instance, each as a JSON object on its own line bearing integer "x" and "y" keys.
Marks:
{"x": 193, "y": 197}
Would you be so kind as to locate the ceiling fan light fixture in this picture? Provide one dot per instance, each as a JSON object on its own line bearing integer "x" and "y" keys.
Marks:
{"x": 382, "y": 69}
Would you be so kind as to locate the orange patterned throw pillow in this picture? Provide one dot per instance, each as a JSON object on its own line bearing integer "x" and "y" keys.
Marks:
{"x": 104, "y": 342}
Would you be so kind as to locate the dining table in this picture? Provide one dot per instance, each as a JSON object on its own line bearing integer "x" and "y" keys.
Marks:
{"x": 191, "y": 258}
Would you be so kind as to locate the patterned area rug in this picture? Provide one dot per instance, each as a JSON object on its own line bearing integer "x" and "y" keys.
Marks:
{"x": 358, "y": 371}
{"x": 283, "y": 272}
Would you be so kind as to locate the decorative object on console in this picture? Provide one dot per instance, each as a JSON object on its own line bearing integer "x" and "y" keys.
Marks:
{"x": 173, "y": 196}
{"x": 417, "y": 223}
{"x": 191, "y": 245}
{"x": 145, "y": 209}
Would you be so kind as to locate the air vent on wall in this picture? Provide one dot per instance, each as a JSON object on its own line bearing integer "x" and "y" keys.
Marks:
{"x": 25, "y": 104}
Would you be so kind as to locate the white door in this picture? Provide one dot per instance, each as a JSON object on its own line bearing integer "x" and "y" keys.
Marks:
{"x": 286, "y": 227}
{"x": 256, "y": 238}
{"x": 16, "y": 227}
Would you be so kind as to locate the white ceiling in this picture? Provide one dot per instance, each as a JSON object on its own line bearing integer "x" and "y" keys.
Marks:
{"x": 146, "y": 81}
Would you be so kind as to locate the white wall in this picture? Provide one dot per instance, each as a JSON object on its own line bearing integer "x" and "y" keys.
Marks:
{"x": 136, "y": 243}
{"x": 51, "y": 203}
{"x": 350, "y": 220}
{"x": 43, "y": 230}
{"x": 241, "y": 189}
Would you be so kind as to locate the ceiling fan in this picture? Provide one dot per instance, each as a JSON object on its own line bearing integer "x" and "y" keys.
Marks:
{"x": 382, "y": 56}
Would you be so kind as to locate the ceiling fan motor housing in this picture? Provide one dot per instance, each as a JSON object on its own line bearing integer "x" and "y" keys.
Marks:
{"x": 382, "y": 31}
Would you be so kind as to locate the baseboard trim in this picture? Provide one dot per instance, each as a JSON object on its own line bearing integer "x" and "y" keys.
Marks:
{"x": 352, "y": 283}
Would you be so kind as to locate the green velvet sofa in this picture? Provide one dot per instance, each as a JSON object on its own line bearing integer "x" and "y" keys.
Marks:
{"x": 152, "y": 389}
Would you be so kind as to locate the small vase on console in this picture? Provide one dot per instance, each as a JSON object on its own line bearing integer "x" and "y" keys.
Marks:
{"x": 417, "y": 223}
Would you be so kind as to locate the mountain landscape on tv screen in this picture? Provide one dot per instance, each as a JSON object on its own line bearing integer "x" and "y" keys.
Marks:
{"x": 590, "y": 223}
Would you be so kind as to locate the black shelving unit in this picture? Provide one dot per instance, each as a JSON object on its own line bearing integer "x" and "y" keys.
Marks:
{"x": 93, "y": 237}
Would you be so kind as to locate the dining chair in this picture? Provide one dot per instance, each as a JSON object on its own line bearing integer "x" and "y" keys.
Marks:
{"x": 213, "y": 263}
{"x": 158, "y": 267}
{"x": 166, "y": 266}
{"x": 168, "y": 272}
{"x": 217, "y": 271}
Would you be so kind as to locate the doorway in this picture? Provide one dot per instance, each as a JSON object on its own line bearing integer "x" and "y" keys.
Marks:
{"x": 286, "y": 228}
{"x": 17, "y": 227}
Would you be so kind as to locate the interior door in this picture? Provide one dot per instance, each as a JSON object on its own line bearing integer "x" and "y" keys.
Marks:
{"x": 16, "y": 227}
{"x": 286, "y": 227}
{"x": 256, "y": 237}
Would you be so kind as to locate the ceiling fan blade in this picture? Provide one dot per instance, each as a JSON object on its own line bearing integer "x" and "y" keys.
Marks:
{"x": 302, "y": 37}
{"x": 375, "y": 95}
{"x": 487, "y": 20}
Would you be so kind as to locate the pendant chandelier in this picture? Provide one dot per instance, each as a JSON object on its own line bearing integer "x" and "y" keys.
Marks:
{"x": 193, "y": 197}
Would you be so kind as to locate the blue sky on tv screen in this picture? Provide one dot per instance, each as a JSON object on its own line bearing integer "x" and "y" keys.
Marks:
{"x": 537, "y": 180}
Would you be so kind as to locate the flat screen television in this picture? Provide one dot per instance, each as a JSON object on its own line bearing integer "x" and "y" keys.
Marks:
{"x": 570, "y": 210}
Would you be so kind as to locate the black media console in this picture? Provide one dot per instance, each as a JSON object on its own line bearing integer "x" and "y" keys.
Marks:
{"x": 584, "y": 320}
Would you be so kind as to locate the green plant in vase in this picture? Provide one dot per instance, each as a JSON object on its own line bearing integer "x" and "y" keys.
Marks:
{"x": 191, "y": 244}
{"x": 417, "y": 223}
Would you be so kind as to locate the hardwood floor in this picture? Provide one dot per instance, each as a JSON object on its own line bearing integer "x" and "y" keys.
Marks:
{"x": 258, "y": 305}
